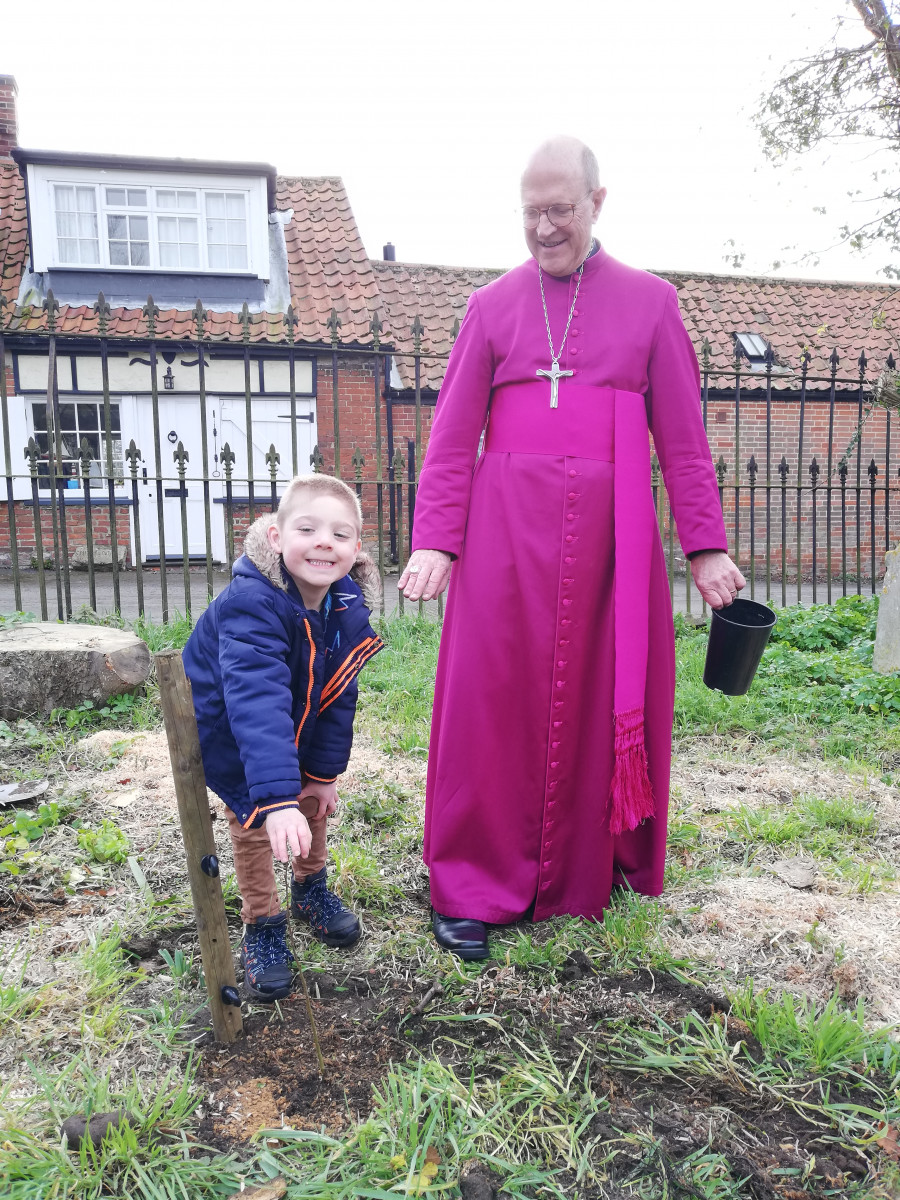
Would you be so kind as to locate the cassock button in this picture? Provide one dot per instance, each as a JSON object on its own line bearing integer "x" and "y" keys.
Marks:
{"x": 573, "y": 474}
{"x": 547, "y": 844}
{"x": 570, "y": 516}
{"x": 554, "y": 746}
{"x": 573, "y": 495}
{"x": 567, "y": 602}
{"x": 569, "y": 538}
{"x": 544, "y": 886}
{"x": 556, "y": 724}
{"x": 574, "y": 351}
{"x": 557, "y": 703}
{"x": 574, "y": 331}
{"x": 546, "y": 863}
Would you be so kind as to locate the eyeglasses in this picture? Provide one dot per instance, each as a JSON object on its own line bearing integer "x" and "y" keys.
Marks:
{"x": 559, "y": 215}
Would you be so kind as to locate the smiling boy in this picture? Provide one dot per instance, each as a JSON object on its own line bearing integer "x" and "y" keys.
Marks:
{"x": 273, "y": 664}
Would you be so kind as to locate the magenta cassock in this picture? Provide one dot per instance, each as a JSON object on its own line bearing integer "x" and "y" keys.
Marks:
{"x": 521, "y": 756}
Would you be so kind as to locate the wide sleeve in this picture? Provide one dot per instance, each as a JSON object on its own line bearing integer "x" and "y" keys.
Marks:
{"x": 676, "y": 422}
{"x": 442, "y": 499}
{"x": 254, "y": 647}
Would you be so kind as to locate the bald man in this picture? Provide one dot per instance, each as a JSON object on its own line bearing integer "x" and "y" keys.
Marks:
{"x": 548, "y": 771}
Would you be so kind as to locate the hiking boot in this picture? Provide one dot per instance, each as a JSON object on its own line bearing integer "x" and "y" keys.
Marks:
{"x": 331, "y": 923}
{"x": 268, "y": 963}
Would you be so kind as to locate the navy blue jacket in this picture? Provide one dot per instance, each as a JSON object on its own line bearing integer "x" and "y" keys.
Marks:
{"x": 275, "y": 685}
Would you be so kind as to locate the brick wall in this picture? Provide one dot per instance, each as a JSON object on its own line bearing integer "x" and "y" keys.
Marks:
{"x": 75, "y": 528}
{"x": 9, "y": 126}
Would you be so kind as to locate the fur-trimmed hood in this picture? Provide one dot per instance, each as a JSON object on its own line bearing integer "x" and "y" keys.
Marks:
{"x": 267, "y": 561}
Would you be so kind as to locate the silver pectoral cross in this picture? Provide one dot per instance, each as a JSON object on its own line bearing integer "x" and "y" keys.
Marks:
{"x": 554, "y": 375}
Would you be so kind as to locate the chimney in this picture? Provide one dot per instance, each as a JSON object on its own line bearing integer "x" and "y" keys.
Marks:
{"x": 9, "y": 125}
{"x": 388, "y": 252}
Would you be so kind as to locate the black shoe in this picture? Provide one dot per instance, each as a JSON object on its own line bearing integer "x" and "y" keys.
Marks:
{"x": 268, "y": 963}
{"x": 331, "y": 923}
{"x": 463, "y": 936}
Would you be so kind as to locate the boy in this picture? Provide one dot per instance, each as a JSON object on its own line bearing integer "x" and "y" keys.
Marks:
{"x": 273, "y": 664}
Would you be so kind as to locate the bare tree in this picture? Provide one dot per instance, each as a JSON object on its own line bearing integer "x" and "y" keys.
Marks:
{"x": 847, "y": 94}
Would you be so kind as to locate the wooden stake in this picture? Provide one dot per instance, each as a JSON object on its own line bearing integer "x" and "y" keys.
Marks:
{"x": 199, "y": 843}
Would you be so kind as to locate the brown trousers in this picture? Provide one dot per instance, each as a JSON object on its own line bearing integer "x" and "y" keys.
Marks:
{"x": 254, "y": 865}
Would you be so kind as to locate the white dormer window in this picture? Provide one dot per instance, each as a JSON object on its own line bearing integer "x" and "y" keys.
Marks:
{"x": 112, "y": 220}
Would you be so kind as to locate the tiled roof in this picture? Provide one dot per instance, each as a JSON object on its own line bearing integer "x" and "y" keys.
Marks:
{"x": 327, "y": 268}
{"x": 437, "y": 296}
{"x": 13, "y": 233}
{"x": 791, "y": 314}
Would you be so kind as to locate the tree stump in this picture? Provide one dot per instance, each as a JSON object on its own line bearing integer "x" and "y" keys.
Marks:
{"x": 45, "y": 666}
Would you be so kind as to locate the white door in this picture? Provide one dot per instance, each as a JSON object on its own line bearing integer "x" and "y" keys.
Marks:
{"x": 271, "y": 426}
{"x": 179, "y": 421}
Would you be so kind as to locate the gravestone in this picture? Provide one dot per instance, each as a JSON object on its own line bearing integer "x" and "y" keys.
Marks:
{"x": 886, "y": 656}
{"x": 44, "y": 666}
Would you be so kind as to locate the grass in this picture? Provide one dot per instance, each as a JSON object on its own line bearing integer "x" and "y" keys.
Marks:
{"x": 524, "y": 1066}
{"x": 815, "y": 690}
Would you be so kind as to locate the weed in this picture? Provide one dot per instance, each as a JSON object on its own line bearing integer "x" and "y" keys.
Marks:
{"x": 18, "y": 833}
{"x": 106, "y": 844}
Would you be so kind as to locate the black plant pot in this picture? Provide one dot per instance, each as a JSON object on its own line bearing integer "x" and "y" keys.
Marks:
{"x": 737, "y": 637}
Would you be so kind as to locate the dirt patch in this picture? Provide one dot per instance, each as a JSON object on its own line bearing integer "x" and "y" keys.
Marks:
{"x": 270, "y": 1078}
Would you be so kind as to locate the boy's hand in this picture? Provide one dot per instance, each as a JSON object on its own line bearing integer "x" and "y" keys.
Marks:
{"x": 288, "y": 828}
{"x": 325, "y": 795}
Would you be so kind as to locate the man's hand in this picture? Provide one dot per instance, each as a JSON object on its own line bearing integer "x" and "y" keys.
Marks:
{"x": 287, "y": 827}
{"x": 325, "y": 795}
{"x": 426, "y": 575}
{"x": 717, "y": 578}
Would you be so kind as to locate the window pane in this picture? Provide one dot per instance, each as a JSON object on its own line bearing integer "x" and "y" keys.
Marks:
{"x": 168, "y": 229}
{"x": 68, "y": 250}
{"x": 90, "y": 253}
{"x": 137, "y": 197}
{"x": 215, "y": 232}
{"x": 168, "y": 254}
{"x": 67, "y": 416}
{"x": 69, "y": 445}
{"x": 188, "y": 229}
{"x": 190, "y": 255}
{"x": 215, "y": 204}
{"x": 165, "y": 199}
{"x": 115, "y": 197}
{"x": 237, "y": 233}
{"x": 138, "y": 228}
{"x": 238, "y": 258}
{"x": 116, "y": 226}
{"x": 66, "y": 224}
{"x": 118, "y": 254}
{"x": 93, "y": 440}
{"x": 88, "y": 417}
{"x": 39, "y": 416}
{"x": 65, "y": 199}
{"x": 41, "y": 439}
{"x": 234, "y": 204}
{"x": 187, "y": 200}
{"x": 87, "y": 225}
{"x": 140, "y": 254}
{"x": 87, "y": 201}
{"x": 114, "y": 417}
{"x": 218, "y": 257}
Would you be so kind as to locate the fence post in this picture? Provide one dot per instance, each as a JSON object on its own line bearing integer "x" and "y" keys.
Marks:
{"x": 102, "y": 309}
{"x": 134, "y": 457}
{"x": 7, "y": 454}
{"x": 199, "y": 845}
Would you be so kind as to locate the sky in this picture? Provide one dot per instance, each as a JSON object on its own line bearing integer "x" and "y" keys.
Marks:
{"x": 429, "y": 111}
